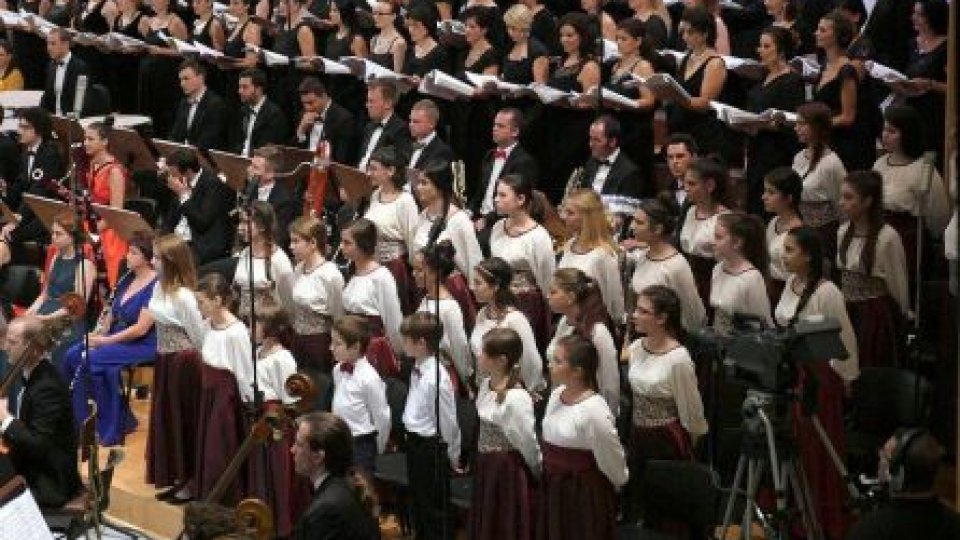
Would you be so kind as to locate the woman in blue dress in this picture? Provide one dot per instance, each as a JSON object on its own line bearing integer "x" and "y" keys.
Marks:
{"x": 124, "y": 337}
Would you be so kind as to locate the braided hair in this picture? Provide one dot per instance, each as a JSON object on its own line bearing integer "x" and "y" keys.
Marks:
{"x": 808, "y": 239}
{"x": 868, "y": 185}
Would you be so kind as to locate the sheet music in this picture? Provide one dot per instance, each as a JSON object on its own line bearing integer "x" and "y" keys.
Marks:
{"x": 745, "y": 67}
{"x": 438, "y": 83}
{"x": 884, "y": 73}
{"x": 492, "y": 83}
{"x": 665, "y": 87}
{"x": 610, "y": 98}
{"x": 10, "y": 18}
{"x": 326, "y": 65}
{"x": 20, "y": 519}
{"x": 552, "y": 96}
{"x": 610, "y": 50}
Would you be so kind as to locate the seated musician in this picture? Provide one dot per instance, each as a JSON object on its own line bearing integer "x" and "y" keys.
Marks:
{"x": 41, "y": 437}
{"x": 265, "y": 163}
{"x": 609, "y": 171}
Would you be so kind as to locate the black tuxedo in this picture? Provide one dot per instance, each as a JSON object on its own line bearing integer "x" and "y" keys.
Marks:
{"x": 43, "y": 440}
{"x": 206, "y": 212}
{"x": 285, "y": 206}
{"x": 9, "y": 159}
{"x": 435, "y": 151}
{"x": 48, "y": 160}
{"x": 269, "y": 127}
{"x": 623, "y": 179}
{"x": 75, "y": 68}
{"x": 395, "y": 134}
{"x": 340, "y": 129}
{"x": 518, "y": 162}
{"x": 335, "y": 513}
{"x": 207, "y": 131}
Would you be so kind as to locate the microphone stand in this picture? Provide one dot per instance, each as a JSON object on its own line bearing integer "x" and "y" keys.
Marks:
{"x": 437, "y": 338}
{"x": 914, "y": 345}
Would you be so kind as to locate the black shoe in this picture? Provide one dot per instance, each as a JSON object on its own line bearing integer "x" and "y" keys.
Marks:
{"x": 168, "y": 493}
{"x": 178, "y": 501}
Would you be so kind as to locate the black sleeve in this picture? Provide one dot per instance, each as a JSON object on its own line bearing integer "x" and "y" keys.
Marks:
{"x": 211, "y": 136}
{"x": 33, "y": 442}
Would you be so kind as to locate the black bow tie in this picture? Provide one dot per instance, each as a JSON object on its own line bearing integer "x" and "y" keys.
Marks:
{"x": 250, "y": 111}
{"x": 418, "y": 146}
{"x": 606, "y": 162}
{"x": 60, "y": 63}
{"x": 31, "y": 153}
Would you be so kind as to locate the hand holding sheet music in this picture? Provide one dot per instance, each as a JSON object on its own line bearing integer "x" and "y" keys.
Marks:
{"x": 665, "y": 88}
{"x": 439, "y": 84}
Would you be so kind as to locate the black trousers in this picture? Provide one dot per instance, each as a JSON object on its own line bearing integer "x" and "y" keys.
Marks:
{"x": 429, "y": 477}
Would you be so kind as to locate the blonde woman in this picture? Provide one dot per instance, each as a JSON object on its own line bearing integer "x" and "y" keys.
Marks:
{"x": 591, "y": 248}
{"x": 655, "y": 18}
{"x": 528, "y": 60}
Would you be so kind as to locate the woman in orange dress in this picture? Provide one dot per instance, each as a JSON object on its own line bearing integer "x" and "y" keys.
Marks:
{"x": 107, "y": 181}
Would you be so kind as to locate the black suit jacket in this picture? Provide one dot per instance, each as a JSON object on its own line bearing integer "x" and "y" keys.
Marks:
{"x": 340, "y": 130}
{"x": 75, "y": 68}
{"x": 395, "y": 133}
{"x": 49, "y": 161}
{"x": 435, "y": 151}
{"x": 336, "y": 514}
{"x": 208, "y": 127}
{"x": 206, "y": 211}
{"x": 285, "y": 206}
{"x": 623, "y": 179}
{"x": 43, "y": 440}
{"x": 269, "y": 127}
{"x": 518, "y": 162}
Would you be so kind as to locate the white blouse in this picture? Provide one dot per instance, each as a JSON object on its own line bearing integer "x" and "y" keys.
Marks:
{"x": 826, "y": 302}
{"x": 419, "y": 411}
{"x": 905, "y": 186}
{"x": 460, "y": 232}
{"x": 608, "y": 371}
{"x": 515, "y": 417}
{"x": 273, "y": 370}
{"x": 744, "y": 293}
{"x": 360, "y": 399}
{"x": 395, "y": 220}
{"x": 454, "y": 341}
{"x": 775, "y": 241}
{"x": 673, "y": 272}
{"x": 320, "y": 290}
{"x": 375, "y": 294}
{"x": 889, "y": 262}
{"x": 178, "y": 309}
{"x": 822, "y": 184}
{"x": 670, "y": 375}
{"x": 229, "y": 348}
{"x": 531, "y": 252}
{"x": 586, "y": 425}
{"x": 531, "y": 363}
{"x": 696, "y": 234}
{"x": 603, "y": 265}
{"x": 281, "y": 275}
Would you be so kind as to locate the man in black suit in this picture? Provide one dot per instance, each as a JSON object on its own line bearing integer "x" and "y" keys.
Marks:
{"x": 325, "y": 120}
{"x": 200, "y": 119}
{"x": 199, "y": 212}
{"x": 681, "y": 150}
{"x": 261, "y": 186}
{"x": 385, "y": 128}
{"x": 60, "y": 91}
{"x": 508, "y": 157}
{"x": 42, "y": 438}
{"x": 608, "y": 170}
{"x": 340, "y": 509}
{"x": 261, "y": 121}
{"x": 427, "y": 147}
{"x": 40, "y": 157}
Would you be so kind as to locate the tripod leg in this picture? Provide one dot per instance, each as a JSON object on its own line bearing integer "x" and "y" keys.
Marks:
{"x": 805, "y": 502}
{"x": 728, "y": 513}
{"x": 755, "y": 471}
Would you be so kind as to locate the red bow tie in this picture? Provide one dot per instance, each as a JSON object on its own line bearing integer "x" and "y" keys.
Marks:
{"x": 499, "y": 154}
{"x": 347, "y": 367}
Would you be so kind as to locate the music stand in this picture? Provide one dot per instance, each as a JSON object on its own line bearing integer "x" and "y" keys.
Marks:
{"x": 233, "y": 167}
{"x": 124, "y": 222}
{"x": 48, "y": 209}
{"x": 294, "y": 173}
{"x": 356, "y": 184}
{"x": 131, "y": 149}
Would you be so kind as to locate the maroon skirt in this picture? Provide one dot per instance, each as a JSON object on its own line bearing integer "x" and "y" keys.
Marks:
{"x": 460, "y": 291}
{"x": 503, "y": 498}
{"x": 174, "y": 412}
{"x": 531, "y": 303}
{"x": 702, "y": 268}
{"x": 219, "y": 432}
{"x": 270, "y": 477}
{"x": 312, "y": 351}
{"x": 379, "y": 351}
{"x": 878, "y": 324}
{"x": 667, "y": 442}
{"x": 826, "y": 485}
{"x": 576, "y": 500}
{"x": 406, "y": 287}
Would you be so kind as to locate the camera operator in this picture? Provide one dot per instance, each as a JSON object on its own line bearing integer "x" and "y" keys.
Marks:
{"x": 910, "y": 461}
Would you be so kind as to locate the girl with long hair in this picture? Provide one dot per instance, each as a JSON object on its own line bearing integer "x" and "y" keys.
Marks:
{"x": 171, "y": 436}
{"x": 705, "y": 184}
{"x": 272, "y": 271}
{"x": 372, "y": 293}
{"x": 508, "y": 454}
{"x": 527, "y": 247}
{"x": 576, "y": 298}
{"x": 491, "y": 285}
{"x": 662, "y": 264}
{"x": 739, "y": 287}
{"x": 591, "y": 248}
{"x": 107, "y": 179}
{"x": 782, "y": 190}
{"x": 810, "y": 295}
{"x": 872, "y": 265}
{"x": 583, "y": 461}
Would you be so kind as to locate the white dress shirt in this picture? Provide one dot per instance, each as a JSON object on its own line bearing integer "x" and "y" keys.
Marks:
{"x": 603, "y": 170}
{"x": 486, "y": 206}
{"x": 372, "y": 143}
{"x": 251, "y": 120}
{"x": 419, "y": 414}
{"x": 58, "y": 80}
{"x": 422, "y": 143}
{"x": 194, "y": 103}
{"x": 360, "y": 399}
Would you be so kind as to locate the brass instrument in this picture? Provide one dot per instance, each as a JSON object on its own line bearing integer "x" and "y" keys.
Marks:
{"x": 458, "y": 169}
{"x": 255, "y": 518}
{"x": 576, "y": 176}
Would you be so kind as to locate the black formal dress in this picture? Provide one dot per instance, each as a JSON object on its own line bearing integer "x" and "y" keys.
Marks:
{"x": 566, "y": 134}
{"x": 234, "y": 47}
{"x": 768, "y": 150}
{"x": 437, "y": 58}
{"x": 931, "y": 65}
{"x": 637, "y": 126}
{"x": 43, "y": 440}
{"x": 205, "y": 212}
{"x": 284, "y": 80}
{"x": 122, "y": 86}
{"x": 203, "y": 34}
{"x": 854, "y": 144}
{"x": 520, "y": 71}
{"x": 472, "y": 119}
{"x": 347, "y": 90}
{"x": 703, "y": 126}
{"x": 888, "y": 29}
{"x": 335, "y": 513}
{"x": 89, "y": 18}
{"x": 207, "y": 128}
{"x": 158, "y": 85}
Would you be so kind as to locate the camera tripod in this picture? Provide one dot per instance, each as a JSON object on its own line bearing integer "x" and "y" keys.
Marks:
{"x": 766, "y": 426}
